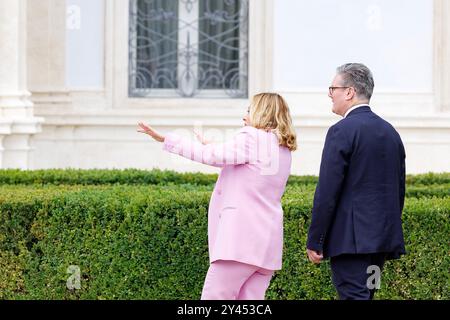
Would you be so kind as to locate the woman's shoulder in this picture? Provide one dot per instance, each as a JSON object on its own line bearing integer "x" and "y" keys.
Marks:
{"x": 253, "y": 131}
{"x": 260, "y": 135}
{"x": 248, "y": 129}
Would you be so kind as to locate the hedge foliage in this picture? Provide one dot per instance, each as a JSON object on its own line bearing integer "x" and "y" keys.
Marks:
{"x": 148, "y": 240}
{"x": 157, "y": 177}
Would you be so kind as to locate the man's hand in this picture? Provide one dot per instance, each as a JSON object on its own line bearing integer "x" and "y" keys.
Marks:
{"x": 314, "y": 256}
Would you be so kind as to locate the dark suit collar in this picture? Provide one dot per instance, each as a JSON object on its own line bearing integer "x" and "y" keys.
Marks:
{"x": 365, "y": 108}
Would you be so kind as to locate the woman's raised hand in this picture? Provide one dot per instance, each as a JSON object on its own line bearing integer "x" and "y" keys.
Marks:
{"x": 151, "y": 132}
{"x": 201, "y": 138}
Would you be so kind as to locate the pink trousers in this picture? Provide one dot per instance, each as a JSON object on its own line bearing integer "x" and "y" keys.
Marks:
{"x": 232, "y": 280}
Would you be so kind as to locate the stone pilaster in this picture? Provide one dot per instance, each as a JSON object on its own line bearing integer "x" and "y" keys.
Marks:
{"x": 17, "y": 122}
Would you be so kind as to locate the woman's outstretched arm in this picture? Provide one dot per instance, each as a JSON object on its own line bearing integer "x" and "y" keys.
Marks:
{"x": 238, "y": 150}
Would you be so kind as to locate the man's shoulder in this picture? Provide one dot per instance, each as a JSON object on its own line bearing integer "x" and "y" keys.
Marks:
{"x": 350, "y": 125}
{"x": 358, "y": 119}
{"x": 340, "y": 131}
{"x": 344, "y": 124}
{"x": 354, "y": 123}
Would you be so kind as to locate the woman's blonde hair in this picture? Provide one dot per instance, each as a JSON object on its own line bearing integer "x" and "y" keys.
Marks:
{"x": 269, "y": 111}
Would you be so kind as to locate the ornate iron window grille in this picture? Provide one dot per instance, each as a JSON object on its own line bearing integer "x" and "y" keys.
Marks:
{"x": 188, "y": 48}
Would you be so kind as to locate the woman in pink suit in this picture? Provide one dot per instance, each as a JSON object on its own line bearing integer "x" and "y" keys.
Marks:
{"x": 245, "y": 217}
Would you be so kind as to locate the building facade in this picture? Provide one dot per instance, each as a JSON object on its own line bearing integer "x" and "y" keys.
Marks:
{"x": 77, "y": 75}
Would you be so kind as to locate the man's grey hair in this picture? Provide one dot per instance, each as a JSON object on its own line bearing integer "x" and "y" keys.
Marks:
{"x": 358, "y": 76}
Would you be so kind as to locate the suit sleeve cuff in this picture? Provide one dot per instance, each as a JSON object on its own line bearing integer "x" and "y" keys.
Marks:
{"x": 170, "y": 142}
{"x": 314, "y": 245}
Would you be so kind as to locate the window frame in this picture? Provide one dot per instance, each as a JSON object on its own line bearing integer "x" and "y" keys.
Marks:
{"x": 203, "y": 93}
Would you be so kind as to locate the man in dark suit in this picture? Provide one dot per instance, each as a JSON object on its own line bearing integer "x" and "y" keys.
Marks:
{"x": 356, "y": 217}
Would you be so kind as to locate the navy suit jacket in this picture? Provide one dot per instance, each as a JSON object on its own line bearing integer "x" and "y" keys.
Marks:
{"x": 360, "y": 194}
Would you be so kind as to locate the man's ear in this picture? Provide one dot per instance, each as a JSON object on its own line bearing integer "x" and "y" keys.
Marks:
{"x": 351, "y": 93}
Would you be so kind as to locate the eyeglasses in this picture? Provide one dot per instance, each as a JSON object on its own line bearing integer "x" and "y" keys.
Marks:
{"x": 331, "y": 89}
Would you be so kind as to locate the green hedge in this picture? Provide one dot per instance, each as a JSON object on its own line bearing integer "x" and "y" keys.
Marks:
{"x": 431, "y": 190}
{"x": 157, "y": 177}
{"x": 150, "y": 241}
{"x": 101, "y": 177}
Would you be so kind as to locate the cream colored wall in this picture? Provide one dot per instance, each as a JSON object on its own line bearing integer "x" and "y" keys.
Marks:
{"x": 96, "y": 128}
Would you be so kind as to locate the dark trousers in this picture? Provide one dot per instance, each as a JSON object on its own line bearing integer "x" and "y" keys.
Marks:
{"x": 350, "y": 274}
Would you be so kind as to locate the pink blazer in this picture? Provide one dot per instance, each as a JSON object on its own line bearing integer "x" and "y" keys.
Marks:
{"x": 245, "y": 217}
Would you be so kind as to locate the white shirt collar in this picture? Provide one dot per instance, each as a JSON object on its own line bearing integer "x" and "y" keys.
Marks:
{"x": 354, "y": 107}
